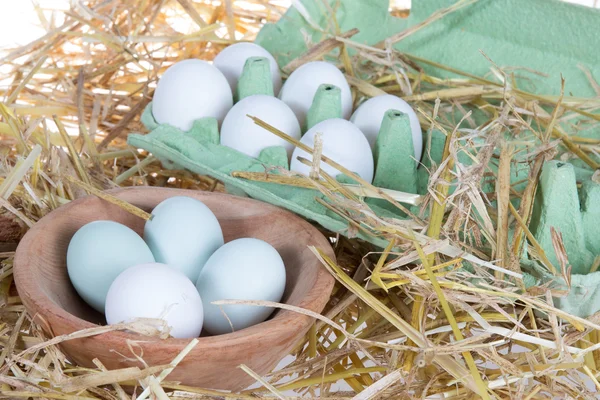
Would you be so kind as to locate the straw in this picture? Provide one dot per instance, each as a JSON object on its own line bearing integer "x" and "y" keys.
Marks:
{"x": 423, "y": 316}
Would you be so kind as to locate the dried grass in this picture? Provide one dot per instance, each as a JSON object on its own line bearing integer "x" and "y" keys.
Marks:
{"x": 405, "y": 322}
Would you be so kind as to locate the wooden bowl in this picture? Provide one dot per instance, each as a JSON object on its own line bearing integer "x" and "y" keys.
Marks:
{"x": 41, "y": 276}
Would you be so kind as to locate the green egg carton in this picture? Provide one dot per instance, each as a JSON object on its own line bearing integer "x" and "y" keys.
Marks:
{"x": 543, "y": 35}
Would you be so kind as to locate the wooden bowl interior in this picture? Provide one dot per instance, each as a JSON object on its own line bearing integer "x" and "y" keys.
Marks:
{"x": 238, "y": 218}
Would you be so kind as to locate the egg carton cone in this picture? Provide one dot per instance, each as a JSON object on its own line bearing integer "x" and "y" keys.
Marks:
{"x": 543, "y": 35}
{"x": 255, "y": 79}
{"x": 576, "y": 215}
{"x": 327, "y": 104}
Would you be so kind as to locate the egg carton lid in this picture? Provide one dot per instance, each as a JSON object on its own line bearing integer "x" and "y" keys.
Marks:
{"x": 549, "y": 36}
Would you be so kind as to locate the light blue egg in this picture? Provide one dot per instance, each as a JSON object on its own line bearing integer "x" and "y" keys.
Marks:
{"x": 183, "y": 233}
{"x": 98, "y": 253}
{"x": 243, "y": 269}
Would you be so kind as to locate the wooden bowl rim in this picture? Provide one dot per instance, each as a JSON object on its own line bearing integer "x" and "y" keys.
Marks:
{"x": 313, "y": 300}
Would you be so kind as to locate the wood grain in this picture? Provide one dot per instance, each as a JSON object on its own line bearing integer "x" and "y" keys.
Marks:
{"x": 42, "y": 281}
{"x": 10, "y": 228}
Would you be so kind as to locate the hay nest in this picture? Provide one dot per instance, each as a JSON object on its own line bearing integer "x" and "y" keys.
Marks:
{"x": 76, "y": 93}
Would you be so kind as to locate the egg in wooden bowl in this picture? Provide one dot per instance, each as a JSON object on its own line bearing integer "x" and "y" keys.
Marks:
{"x": 44, "y": 286}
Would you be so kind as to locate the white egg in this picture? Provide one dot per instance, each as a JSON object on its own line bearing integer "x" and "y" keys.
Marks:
{"x": 190, "y": 90}
{"x": 183, "y": 233}
{"x": 243, "y": 269}
{"x": 156, "y": 291}
{"x": 98, "y": 253}
{"x": 344, "y": 143}
{"x": 369, "y": 115}
{"x": 241, "y": 133}
{"x": 300, "y": 88}
{"x": 231, "y": 60}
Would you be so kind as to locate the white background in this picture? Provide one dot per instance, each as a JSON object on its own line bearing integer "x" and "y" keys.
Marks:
{"x": 19, "y": 23}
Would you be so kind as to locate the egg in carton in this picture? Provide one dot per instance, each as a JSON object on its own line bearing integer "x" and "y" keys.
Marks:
{"x": 393, "y": 162}
{"x": 391, "y": 165}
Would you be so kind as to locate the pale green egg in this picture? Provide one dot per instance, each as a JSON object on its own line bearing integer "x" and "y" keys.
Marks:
{"x": 98, "y": 253}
